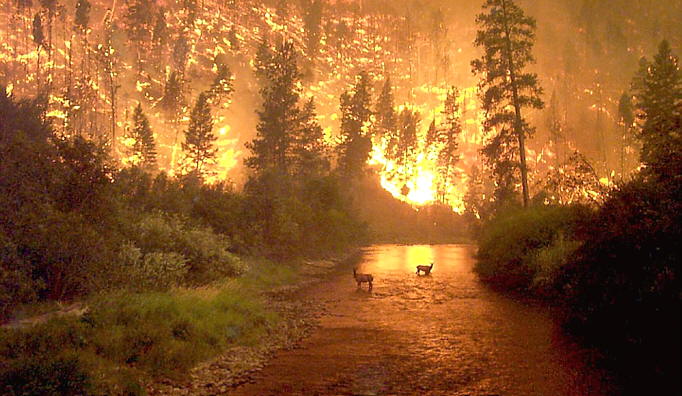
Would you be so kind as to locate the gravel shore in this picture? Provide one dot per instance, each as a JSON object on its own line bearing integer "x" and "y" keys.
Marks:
{"x": 236, "y": 365}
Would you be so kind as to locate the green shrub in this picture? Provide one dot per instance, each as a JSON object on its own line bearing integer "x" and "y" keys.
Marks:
{"x": 151, "y": 271}
{"x": 548, "y": 262}
{"x": 510, "y": 242}
{"x": 166, "y": 243}
{"x": 50, "y": 375}
{"x": 208, "y": 255}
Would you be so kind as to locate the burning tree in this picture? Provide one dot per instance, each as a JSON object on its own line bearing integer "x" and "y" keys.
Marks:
{"x": 159, "y": 39}
{"x": 172, "y": 103}
{"x": 110, "y": 64}
{"x": 506, "y": 35}
{"x": 312, "y": 19}
{"x": 402, "y": 147}
{"x": 222, "y": 87}
{"x": 446, "y": 139}
{"x": 574, "y": 181}
{"x": 139, "y": 17}
{"x": 557, "y": 130}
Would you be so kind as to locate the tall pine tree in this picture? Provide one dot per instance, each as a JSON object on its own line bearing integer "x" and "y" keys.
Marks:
{"x": 556, "y": 129}
{"x": 199, "y": 148}
{"x": 39, "y": 40}
{"x": 143, "y": 150}
{"x": 172, "y": 103}
{"x": 287, "y": 134}
{"x": 384, "y": 112}
{"x": 159, "y": 44}
{"x": 139, "y": 17}
{"x": 312, "y": 18}
{"x": 82, "y": 18}
{"x": 222, "y": 87}
{"x": 448, "y": 139}
{"x": 354, "y": 150}
{"x": 310, "y": 157}
{"x": 403, "y": 147}
{"x": 658, "y": 93}
{"x": 507, "y": 35}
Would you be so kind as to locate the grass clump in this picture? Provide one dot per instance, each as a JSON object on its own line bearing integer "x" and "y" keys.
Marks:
{"x": 164, "y": 334}
{"x": 127, "y": 338}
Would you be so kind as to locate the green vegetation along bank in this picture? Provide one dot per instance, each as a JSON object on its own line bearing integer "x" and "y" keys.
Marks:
{"x": 613, "y": 269}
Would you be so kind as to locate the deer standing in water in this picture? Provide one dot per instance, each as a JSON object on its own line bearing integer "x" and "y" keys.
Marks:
{"x": 360, "y": 278}
{"x": 426, "y": 268}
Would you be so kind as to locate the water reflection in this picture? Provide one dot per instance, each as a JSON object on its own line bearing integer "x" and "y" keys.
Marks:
{"x": 392, "y": 260}
{"x": 443, "y": 334}
{"x": 466, "y": 330}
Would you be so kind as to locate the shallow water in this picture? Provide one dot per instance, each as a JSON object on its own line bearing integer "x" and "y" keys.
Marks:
{"x": 441, "y": 334}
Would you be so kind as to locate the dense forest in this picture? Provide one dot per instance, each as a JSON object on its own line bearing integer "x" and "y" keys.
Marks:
{"x": 150, "y": 145}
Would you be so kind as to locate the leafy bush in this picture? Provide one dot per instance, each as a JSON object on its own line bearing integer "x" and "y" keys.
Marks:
{"x": 166, "y": 241}
{"x": 151, "y": 271}
{"x": 510, "y": 242}
{"x": 208, "y": 255}
{"x": 16, "y": 284}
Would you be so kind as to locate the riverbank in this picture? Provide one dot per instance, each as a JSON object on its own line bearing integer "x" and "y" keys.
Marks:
{"x": 236, "y": 365}
{"x": 611, "y": 274}
{"x": 184, "y": 341}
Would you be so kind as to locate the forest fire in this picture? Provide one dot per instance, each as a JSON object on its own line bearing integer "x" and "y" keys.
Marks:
{"x": 212, "y": 37}
{"x": 109, "y": 79}
{"x": 189, "y": 188}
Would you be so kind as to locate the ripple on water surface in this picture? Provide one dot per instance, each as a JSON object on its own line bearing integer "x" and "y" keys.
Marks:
{"x": 441, "y": 334}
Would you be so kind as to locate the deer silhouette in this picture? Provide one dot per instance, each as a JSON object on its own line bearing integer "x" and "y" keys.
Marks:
{"x": 425, "y": 268}
{"x": 361, "y": 278}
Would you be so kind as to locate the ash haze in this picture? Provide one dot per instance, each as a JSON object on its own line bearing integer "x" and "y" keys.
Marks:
{"x": 180, "y": 178}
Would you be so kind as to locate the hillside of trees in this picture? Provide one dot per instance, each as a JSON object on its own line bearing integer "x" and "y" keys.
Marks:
{"x": 150, "y": 145}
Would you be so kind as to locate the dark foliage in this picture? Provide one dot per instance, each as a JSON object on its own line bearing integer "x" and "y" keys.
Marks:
{"x": 356, "y": 145}
{"x": 622, "y": 287}
{"x": 50, "y": 376}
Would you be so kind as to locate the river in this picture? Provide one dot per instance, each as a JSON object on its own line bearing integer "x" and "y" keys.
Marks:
{"x": 441, "y": 334}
